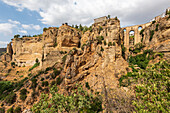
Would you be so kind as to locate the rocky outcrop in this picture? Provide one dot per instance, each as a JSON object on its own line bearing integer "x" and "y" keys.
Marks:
{"x": 68, "y": 37}
{"x": 109, "y": 29}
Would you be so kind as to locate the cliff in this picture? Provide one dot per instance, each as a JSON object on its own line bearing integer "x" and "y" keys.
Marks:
{"x": 66, "y": 56}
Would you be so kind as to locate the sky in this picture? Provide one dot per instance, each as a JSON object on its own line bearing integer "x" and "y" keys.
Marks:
{"x": 29, "y": 17}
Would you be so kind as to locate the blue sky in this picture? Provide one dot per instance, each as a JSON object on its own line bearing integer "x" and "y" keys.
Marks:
{"x": 29, "y": 17}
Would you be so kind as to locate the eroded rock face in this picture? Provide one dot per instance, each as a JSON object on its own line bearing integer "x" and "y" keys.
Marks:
{"x": 109, "y": 29}
{"x": 68, "y": 37}
{"x": 161, "y": 32}
{"x": 26, "y": 50}
{"x": 94, "y": 67}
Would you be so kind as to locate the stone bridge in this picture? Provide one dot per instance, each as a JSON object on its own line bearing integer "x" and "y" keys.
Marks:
{"x": 137, "y": 37}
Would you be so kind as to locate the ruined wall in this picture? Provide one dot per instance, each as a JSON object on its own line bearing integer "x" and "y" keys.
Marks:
{"x": 101, "y": 19}
{"x": 109, "y": 29}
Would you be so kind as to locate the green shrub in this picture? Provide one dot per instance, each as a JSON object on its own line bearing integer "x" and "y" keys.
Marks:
{"x": 123, "y": 51}
{"x": 101, "y": 49}
{"x": 53, "y": 83}
{"x": 105, "y": 43}
{"x": 46, "y": 90}
{"x": 23, "y": 94}
{"x": 44, "y": 83}
{"x": 141, "y": 60}
{"x": 11, "y": 98}
{"x": 64, "y": 58}
{"x": 10, "y": 110}
{"x": 2, "y": 110}
{"x": 13, "y": 64}
{"x": 110, "y": 44}
{"x": 56, "y": 72}
{"x": 44, "y": 29}
{"x": 59, "y": 80}
{"x": 55, "y": 45}
{"x": 114, "y": 44}
{"x": 100, "y": 28}
{"x": 87, "y": 85}
{"x": 156, "y": 29}
{"x": 153, "y": 22}
{"x": 23, "y": 91}
{"x": 42, "y": 79}
{"x": 99, "y": 39}
{"x": 78, "y": 101}
{"x": 151, "y": 88}
{"x": 39, "y": 88}
{"x": 34, "y": 83}
{"x": 17, "y": 110}
{"x": 23, "y": 97}
{"x": 151, "y": 35}
{"x": 34, "y": 66}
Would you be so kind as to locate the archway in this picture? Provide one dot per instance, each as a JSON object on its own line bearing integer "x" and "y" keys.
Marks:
{"x": 139, "y": 28}
{"x": 124, "y": 30}
{"x": 131, "y": 37}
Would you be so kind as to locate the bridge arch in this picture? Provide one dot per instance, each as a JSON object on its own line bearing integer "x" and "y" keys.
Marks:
{"x": 139, "y": 28}
{"x": 128, "y": 41}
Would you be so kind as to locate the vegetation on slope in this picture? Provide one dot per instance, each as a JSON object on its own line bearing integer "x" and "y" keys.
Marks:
{"x": 78, "y": 100}
{"x": 151, "y": 87}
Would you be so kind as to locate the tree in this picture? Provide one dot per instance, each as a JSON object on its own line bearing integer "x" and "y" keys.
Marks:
{"x": 80, "y": 27}
{"x": 108, "y": 16}
{"x": 16, "y": 36}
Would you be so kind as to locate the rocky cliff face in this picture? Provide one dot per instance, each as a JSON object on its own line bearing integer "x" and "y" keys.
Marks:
{"x": 157, "y": 36}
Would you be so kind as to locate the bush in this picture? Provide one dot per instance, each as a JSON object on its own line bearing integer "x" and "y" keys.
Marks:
{"x": 99, "y": 39}
{"x": 23, "y": 94}
{"x": 123, "y": 51}
{"x": 105, "y": 43}
{"x": 64, "y": 58}
{"x": 23, "y": 91}
{"x": 42, "y": 79}
{"x": 11, "y": 98}
{"x": 114, "y": 44}
{"x": 141, "y": 60}
{"x": 151, "y": 88}
{"x": 77, "y": 101}
{"x": 17, "y": 110}
{"x": 34, "y": 83}
{"x": 87, "y": 85}
{"x": 44, "y": 29}
{"x": 101, "y": 49}
{"x": 13, "y": 64}
{"x": 110, "y": 44}
{"x": 44, "y": 83}
{"x": 153, "y": 22}
{"x": 23, "y": 97}
{"x": 156, "y": 29}
{"x": 151, "y": 35}
{"x": 56, "y": 72}
{"x": 34, "y": 66}
{"x": 2, "y": 110}
{"x": 10, "y": 110}
{"x": 59, "y": 80}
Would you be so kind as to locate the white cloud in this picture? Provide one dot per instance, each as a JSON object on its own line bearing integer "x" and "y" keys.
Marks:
{"x": 26, "y": 26}
{"x": 22, "y": 31}
{"x": 31, "y": 26}
{"x": 13, "y": 22}
{"x": 36, "y": 27}
{"x": 3, "y": 44}
{"x": 55, "y": 12}
{"x": 7, "y": 28}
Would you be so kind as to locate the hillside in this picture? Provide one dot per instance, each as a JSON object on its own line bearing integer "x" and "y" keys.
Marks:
{"x": 88, "y": 69}
{"x": 2, "y": 50}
